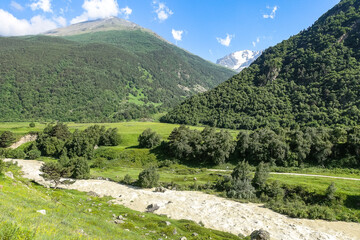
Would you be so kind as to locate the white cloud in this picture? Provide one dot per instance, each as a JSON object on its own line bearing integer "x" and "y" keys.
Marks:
{"x": 126, "y": 11}
{"x": 11, "y": 26}
{"x": 44, "y": 5}
{"x": 177, "y": 34}
{"x": 256, "y": 42}
{"x": 272, "y": 14}
{"x": 162, "y": 11}
{"x": 95, "y": 9}
{"x": 16, "y": 5}
{"x": 226, "y": 42}
{"x": 60, "y": 21}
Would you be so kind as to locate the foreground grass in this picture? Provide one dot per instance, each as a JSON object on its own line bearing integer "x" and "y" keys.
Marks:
{"x": 75, "y": 215}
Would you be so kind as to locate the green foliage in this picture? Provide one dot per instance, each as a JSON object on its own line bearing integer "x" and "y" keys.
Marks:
{"x": 205, "y": 147}
{"x": 261, "y": 175}
{"x": 91, "y": 77}
{"x": 110, "y": 138}
{"x": 10, "y": 231}
{"x": 52, "y": 171}
{"x": 33, "y": 154}
{"x": 149, "y": 139}
{"x": 310, "y": 80}
{"x": 6, "y": 139}
{"x": 128, "y": 179}
{"x": 330, "y": 193}
{"x": 2, "y": 166}
{"x": 32, "y": 124}
{"x": 149, "y": 178}
{"x": 241, "y": 182}
{"x": 81, "y": 169}
{"x": 318, "y": 146}
{"x": 99, "y": 162}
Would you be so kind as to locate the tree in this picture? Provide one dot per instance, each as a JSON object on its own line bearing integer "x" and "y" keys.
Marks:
{"x": 60, "y": 131}
{"x": 330, "y": 193}
{"x": 6, "y": 139}
{"x": 261, "y": 175}
{"x": 241, "y": 182}
{"x": 149, "y": 139}
{"x": 81, "y": 169}
{"x": 52, "y": 171}
{"x": 149, "y": 177}
{"x": 242, "y": 171}
{"x": 33, "y": 154}
{"x": 110, "y": 138}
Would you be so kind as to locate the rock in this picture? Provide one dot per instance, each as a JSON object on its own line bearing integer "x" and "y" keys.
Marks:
{"x": 183, "y": 238}
{"x": 260, "y": 235}
{"x": 195, "y": 234}
{"x": 152, "y": 208}
{"x": 114, "y": 216}
{"x": 195, "y": 179}
{"x": 93, "y": 194}
{"x": 120, "y": 217}
{"x": 160, "y": 189}
{"x": 89, "y": 210}
{"x": 167, "y": 223}
{"x": 174, "y": 231}
{"x": 118, "y": 221}
{"x": 43, "y": 212}
{"x": 10, "y": 175}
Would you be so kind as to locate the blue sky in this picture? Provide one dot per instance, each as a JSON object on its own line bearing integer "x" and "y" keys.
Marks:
{"x": 208, "y": 28}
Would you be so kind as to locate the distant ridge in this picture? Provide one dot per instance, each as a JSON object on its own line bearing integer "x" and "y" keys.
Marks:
{"x": 98, "y": 25}
{"x": 98, "y": 71}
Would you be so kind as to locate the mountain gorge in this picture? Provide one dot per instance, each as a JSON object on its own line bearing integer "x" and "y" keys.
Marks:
{"x": 311, "y": 79}
{"x": 239, "y": 60}
{"x": 104, "y": 70}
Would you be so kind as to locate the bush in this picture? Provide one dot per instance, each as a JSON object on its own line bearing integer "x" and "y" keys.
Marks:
{"x": 2, "y": 166}
{"x": 149, "y": 139}
{"x": 99, "y": 162}
{"x": 32, "y": 124}
{"x": 110, "y": 138}
{"x": 6, "y": 139}
{"x": 149, "y": 178}
{"x": 33, "y": 154}
{"x": 15, "y": 153}
{"x": 261, "y": 175}
{"x": 127, "y": 179}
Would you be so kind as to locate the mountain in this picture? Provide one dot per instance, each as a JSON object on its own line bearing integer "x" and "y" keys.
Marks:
{"x": 311, "y": 79}
{"x": 239, "y": 60}
{"x": 104, "y": 70}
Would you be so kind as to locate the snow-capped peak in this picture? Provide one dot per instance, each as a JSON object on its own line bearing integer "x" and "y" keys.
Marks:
{"x": 239, "y": 60}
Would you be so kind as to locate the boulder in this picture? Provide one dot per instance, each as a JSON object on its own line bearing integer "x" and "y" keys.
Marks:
{"x": 43, "y": 212}
{"x": 152, "y": 208}
{"x": 93, "y": 194}
{"x": 260, "y": 235}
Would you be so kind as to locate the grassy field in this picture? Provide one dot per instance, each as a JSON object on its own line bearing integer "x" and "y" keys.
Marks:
{"x": 75, "y": 215}
{"x": 129, "y": 130}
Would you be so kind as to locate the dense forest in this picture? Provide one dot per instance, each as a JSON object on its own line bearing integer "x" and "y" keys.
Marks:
{"x": 311, "y": 79}
{"x": 98, "y": 77}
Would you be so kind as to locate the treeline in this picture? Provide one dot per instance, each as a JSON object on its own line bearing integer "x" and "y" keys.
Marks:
{"x": 338, "y": 147}
{"x": 73, "y": 150}
{"x": 309, "y": 80}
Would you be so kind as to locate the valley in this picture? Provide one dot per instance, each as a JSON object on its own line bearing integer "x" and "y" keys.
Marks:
{"x": 114, "y": 129}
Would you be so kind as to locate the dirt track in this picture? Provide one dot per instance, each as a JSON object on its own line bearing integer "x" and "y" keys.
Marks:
{"x": 214, "y": 212}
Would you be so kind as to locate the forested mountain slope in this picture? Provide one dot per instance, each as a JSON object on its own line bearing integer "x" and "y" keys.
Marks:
{"x": 311, "y": 79}
{"x": 105, "y": 70}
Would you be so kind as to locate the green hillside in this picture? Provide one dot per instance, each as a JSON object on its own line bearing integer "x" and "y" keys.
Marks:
{"x": 108, "y": 75}
{"x": 311, "y": 79}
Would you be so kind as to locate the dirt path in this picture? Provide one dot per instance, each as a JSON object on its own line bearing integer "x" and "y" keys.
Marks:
{"x": 24, "y": 139}
{"x": 294, "y": 174}
{"x": 214, "y": 212}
